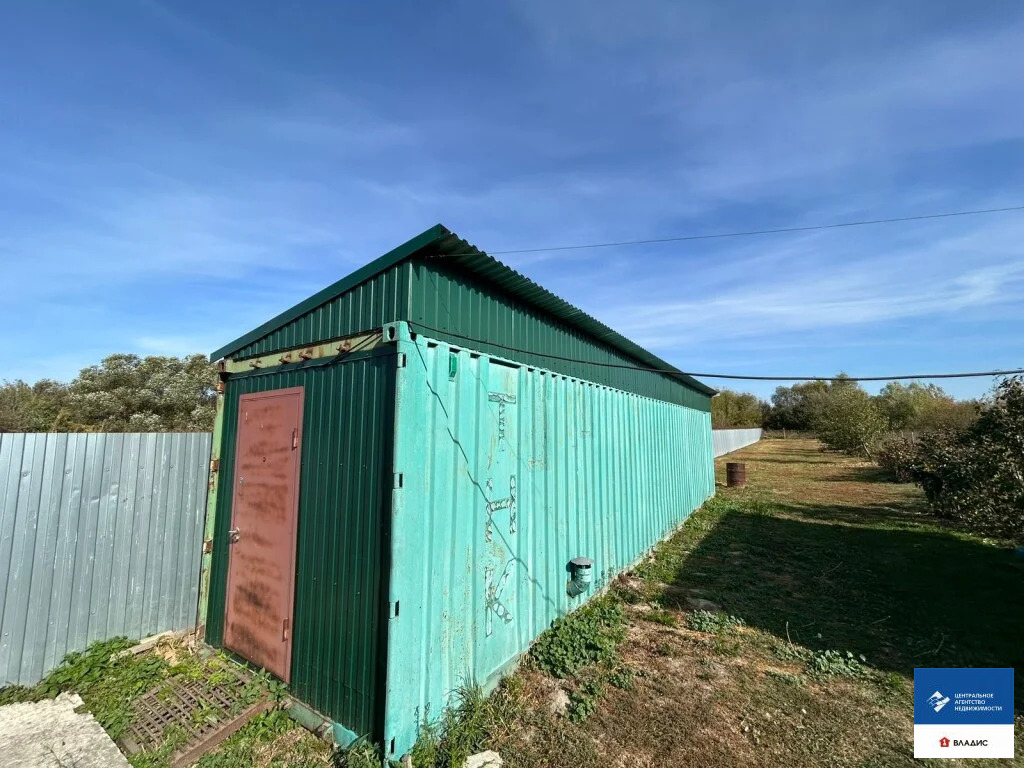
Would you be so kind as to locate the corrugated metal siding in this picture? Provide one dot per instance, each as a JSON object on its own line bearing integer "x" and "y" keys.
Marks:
{"x": 455, "y": 302}
{"x": 594, "y": 472}
{"x": 728, "y": 440}
{"x": 369, "y": 305}
{"x": 344, "y": 480}
{"x": 100, "y": 535}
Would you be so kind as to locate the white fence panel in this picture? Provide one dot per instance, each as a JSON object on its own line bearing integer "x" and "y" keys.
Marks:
{"x": 725, "y": 441}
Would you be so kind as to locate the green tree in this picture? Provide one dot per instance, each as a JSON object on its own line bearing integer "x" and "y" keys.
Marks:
{"x": 795, "y": 407}
{"x": 39, "y": 407}
{"x": 126, "y": 393}
{"x": 737, "y": 409}
{"x": 923, "y": 407}
{"x": 847, "y": 419}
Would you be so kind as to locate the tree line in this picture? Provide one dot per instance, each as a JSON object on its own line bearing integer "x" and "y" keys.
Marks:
{"x": 813, "y": 406}
{"x": 124, "y": 393}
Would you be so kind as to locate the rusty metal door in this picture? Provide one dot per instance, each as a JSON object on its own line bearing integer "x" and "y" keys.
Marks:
{"x": 264, "y": 519}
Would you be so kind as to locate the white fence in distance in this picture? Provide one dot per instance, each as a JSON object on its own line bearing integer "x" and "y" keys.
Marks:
{"x": 725, "y": 441}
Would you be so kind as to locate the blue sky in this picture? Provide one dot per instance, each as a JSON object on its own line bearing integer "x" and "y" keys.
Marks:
{"x": 173, "y": 174}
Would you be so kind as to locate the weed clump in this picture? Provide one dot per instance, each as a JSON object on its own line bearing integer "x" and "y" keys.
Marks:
{"x": 583, "y": 701}
{"x": 836, "y": 663}
{"x": 663, "y": 617}
{"x": 712, "y": 622}
{"x": 260, "y": 742}
{"x": 622, "y": 677}
{"x": 587, "y": 636}
{"x": 790, "y": 652}
{"x": 468, "y": 726}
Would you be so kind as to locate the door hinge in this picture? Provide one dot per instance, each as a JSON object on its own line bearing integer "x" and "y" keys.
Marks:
{"x": 207, "y": 546}
{"x": 214, "y": 465}
{"x": 295, "y": 438}
{"x": 285, "y": 626}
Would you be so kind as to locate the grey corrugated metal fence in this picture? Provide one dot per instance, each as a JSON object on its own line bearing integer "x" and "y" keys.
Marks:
{"x": 725, "y": 441}
{"x": 100, "y": 535}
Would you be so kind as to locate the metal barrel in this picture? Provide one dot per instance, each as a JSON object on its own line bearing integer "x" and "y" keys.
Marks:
{"x": 735, "y": 474}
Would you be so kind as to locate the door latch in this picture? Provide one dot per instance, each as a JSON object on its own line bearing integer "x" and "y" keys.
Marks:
{"x": 234, "y": 535}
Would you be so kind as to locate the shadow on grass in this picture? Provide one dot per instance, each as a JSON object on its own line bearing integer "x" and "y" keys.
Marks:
{"x": 864, "y": 474}
{"x": 904, "y": 597}
{"x": 895, "y": 514}
{"x": 803, "y": 457}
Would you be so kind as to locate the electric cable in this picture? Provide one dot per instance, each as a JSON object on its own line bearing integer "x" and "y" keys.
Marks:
{"x": 753, "y": 232}
{"x": 741, "y": 377}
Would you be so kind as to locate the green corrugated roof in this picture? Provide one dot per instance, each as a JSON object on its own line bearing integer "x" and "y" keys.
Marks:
{"x": 440, "y": 242}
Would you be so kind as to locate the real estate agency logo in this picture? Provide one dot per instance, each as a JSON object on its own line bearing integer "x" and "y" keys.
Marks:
{"x": 945, "y": 742}
{"x": 937, "y": 701}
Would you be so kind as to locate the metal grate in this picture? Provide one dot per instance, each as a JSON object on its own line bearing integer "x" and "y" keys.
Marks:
{"x": 195, "y": 714}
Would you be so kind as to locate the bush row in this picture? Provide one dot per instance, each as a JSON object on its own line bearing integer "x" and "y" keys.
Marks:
{"x": 974, "y": 475}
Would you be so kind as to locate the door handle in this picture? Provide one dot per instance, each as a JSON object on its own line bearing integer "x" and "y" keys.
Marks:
{"x": 233, "y": 534}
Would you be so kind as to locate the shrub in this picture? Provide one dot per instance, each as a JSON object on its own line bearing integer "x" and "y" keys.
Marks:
{"x": 976, "y": 476}
{"x": 897, "y": 456}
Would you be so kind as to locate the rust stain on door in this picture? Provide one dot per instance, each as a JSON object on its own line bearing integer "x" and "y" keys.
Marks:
{"x": 264, "y": 519}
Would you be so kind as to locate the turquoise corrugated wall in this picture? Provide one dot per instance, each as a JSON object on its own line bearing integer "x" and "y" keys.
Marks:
{"x": 503, "y": 473}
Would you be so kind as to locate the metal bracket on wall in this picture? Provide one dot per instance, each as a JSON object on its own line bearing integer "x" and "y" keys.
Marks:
{"x": 361, "y": 342}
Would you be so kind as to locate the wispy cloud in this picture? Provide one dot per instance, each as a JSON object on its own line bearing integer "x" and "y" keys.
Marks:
{"x": 835, "y": 286}
{"x": 182, "y": 175}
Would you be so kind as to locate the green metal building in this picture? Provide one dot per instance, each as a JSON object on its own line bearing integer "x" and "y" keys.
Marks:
{"x": 404, "y": 467}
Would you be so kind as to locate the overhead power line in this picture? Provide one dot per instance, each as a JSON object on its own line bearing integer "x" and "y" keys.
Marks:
{"x": 693, "y": 374}
{"x": 901, "y": 377}
{"x": 752, "y": 232}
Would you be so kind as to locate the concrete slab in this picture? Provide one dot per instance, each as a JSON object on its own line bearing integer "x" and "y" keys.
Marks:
{"x": 50, "y": 734}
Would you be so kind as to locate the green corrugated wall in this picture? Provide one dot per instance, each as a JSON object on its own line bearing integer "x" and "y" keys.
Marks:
{"x": 369, "y": 305}
{"x": 453, "y": 304}
{"x": 458, "y": 304}
{"x": 345, "y": 482}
